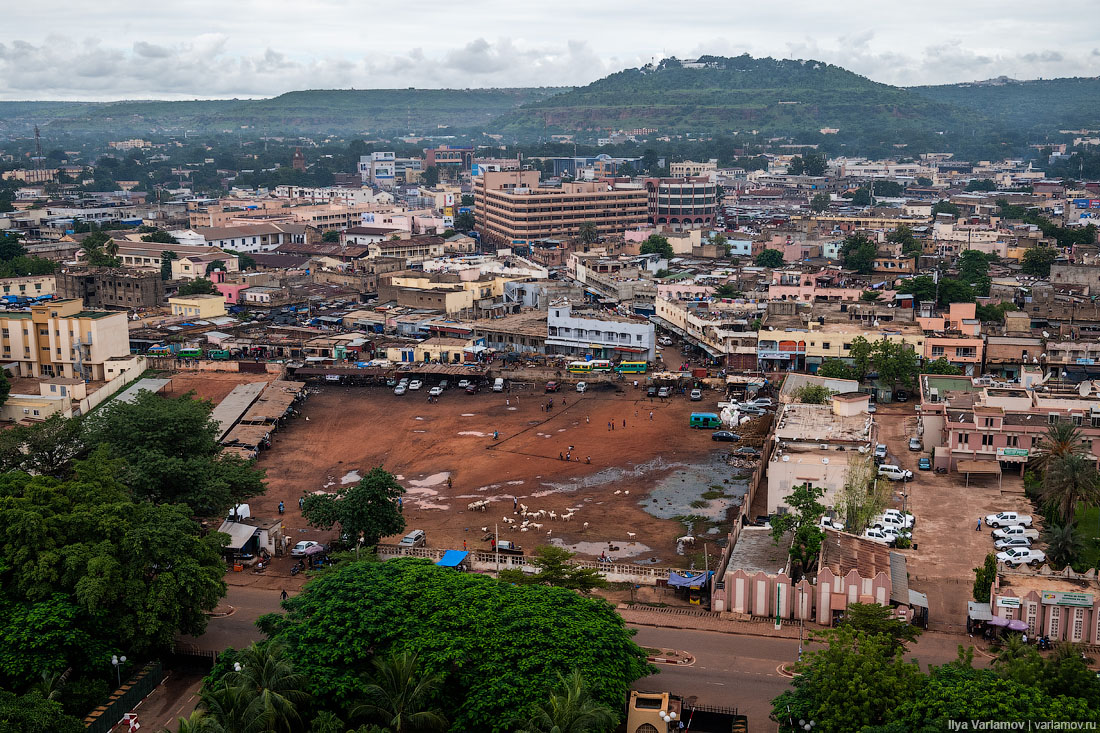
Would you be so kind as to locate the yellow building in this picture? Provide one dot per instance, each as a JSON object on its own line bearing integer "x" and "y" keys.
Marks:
{"x": 198, "y": 306}
{"x": 834, "y": 340}
{"x": 441, "y": 349}
{"x": 61, "y": 339}
{"x": 30, "y": 286}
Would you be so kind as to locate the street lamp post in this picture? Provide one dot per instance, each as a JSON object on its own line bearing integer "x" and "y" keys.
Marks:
{"x": 117, "y": 662}
{"x": 669, "y": 717}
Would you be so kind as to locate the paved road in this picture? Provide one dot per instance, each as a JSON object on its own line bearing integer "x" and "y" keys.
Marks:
{"x": 238, "y": 630}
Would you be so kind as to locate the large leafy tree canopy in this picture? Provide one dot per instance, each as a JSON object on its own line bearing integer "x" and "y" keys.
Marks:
{"x": 172, "y": 454}
{"x": 86, "y": 571}
{"x": 858, "y": 253}
{"x": 367, "y": 509}
{"x": 656, "y": 244}
{"x": 498, "y": 647}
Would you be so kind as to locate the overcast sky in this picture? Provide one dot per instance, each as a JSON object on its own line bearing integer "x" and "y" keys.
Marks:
{"x": 121, "y": 49}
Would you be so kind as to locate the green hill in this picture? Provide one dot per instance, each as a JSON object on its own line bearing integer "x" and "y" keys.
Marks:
{"x": 309, "y": 112}
{"x": 776, "y": 97}
{"x": 1040, "y": 107}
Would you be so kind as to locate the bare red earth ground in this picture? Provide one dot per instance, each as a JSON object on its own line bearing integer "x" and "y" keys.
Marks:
{"x": 358, "y": 428}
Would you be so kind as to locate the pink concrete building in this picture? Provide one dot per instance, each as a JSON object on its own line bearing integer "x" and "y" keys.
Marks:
{"x": 956, "y": 337}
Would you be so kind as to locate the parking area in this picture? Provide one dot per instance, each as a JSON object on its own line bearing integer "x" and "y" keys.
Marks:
{"x": 948, "y": 547}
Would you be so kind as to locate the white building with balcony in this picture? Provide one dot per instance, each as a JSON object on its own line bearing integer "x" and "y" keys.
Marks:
{"x": 599, "y": 334}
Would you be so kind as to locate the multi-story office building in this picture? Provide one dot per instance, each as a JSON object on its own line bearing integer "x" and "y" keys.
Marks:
{"x": 61, "y": 339}
{"x": 112, "y": 287}
{"x": 378, "y": 168}
{"x": 598, "y": 334}
{"x": 682, "y": 203}
{"x": 511, "y": 207}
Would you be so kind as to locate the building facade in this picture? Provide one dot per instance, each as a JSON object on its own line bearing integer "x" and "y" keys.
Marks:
{"x": 116, "y": 288}
{"x": 598, "y": 335}
{"x": 511, "y": 207}
{"x": 62, "y": 339}
{"x": 682, "y": 203}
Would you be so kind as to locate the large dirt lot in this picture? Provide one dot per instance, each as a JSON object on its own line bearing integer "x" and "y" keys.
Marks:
{"x": 344, "y": 431}
{"x": 213, "y": 386}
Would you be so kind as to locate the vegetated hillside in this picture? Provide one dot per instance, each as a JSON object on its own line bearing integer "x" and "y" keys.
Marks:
{"x": 1042, "y": 106}
{"x": 775, "y": 97}
{"x": 305, "y": 112}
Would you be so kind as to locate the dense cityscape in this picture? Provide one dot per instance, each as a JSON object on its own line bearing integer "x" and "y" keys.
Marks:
{"x": 718, "y": 393}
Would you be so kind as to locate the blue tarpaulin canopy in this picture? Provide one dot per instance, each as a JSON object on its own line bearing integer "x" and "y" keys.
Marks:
{"x": 452, "y": 558}
{"x": 686, "y": 580}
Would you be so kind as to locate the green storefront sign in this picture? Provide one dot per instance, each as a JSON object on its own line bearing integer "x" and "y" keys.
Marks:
{"x": 1058, "y": 598}
{"x": 1021, "y": 452}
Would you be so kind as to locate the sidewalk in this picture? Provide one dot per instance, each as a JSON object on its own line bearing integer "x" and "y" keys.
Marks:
{"x": 676, "y": 618}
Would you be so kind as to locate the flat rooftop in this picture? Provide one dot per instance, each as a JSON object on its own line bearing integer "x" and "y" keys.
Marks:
{"x": 1022, "y": 582}
{"x": 818, "y": 423}
{"x": 756, "y": 551}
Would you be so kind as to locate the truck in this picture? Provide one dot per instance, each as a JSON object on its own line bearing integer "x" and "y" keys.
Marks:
{"x": 507, "y": 547}
{"x": 1015, "y": 530}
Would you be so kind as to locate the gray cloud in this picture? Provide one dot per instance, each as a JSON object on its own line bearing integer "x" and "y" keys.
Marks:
{"x": 265, "y": 48}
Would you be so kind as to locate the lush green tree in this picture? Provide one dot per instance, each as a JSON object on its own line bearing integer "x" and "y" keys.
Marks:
{"x": 200, "y": 721}
{"x": 32, "y": 712}
{"x": 98, "y": 248}
{"x": 857, "y": 680}
{"x": 982, "y": 184}
{"x": 769, "y": 258}
{"x": 48, "y": 447}
{"x": 498, "y": 647}
{"x": 955, "y": 291}
{"x": 272, "y": 690}
{"x": 368, "y": 509}
{"x": 465, "y": 221}
{"x": 401, "y": 696}
{"x": 871, "y": 618}
{"x": 903, "y": 235}
{"x": 198, "y": 286}
{"x": 820, "y": 202}
{"x": 973, "y": 265}
{"x": 895, "y": 361}
{"x": 215, "y": 265}
{"x": 1062, "y": 439}
{"x": 555, "y": 569}
{"x": 993, "y": 313}
{"x": 722, "y": 242}
{"x": 813, "y": 394}
{"x": 796, "y": 167}
{"x": 944, "y": 207}
{"x": 172, "y": 453}
{"x": 814, "y": 164}
{"x": 924, "y": 181}
{"x": 88, "y": 571}
{"x": 1064, "y": 544}
{"x": 922, "y": 287}
{"x": 467, "y": 200}
{"x": 160, "y": 237}
{"x": 588, "y": 233}
{"x": 656, "y": 244}
{"x": 1067, "y": 481}
{"x": 332, "y": 236}
{"x": 244, "y": 261}
{"x": 571, "y": 708}
{"x": 858, "y": 253}
{"x": 940, "y": 366}
{"x": 836, "y": 369}
{"x": 430, "y": 176}
{"x": 727, "y": 290}
{"x": 860, "y": 197}
{"x": 1037, "y": 261}
{"x": 166, "y": 258}
{"x": 10, "y": 248}
{"x": 804, "y": 519}
{"x": 957, "y": 693}
{"x": 984, "y": 577}
{"x": 1066, "y": 673}
{"x": 860, "y": 351}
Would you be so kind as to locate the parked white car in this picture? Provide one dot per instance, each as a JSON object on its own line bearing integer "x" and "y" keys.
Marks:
{"x": 435, "y": 391}
{"x": 1005, "y": 519}
{"x": 415, "y": 385}
{"x": 892, "y": 521}
{"x": 894, "y": 473}
{"x": 1012, "y": 542}
{"x": 400, "y": 390}
{"x": 827, "y": 523}
{"x": 582, "y": 386}
{"x": 909, "y": 518}
{"x": 463, "y": 383}
{"x": 1016, "y": 530}
{"x": 299, "y": 549}
{"x": 1016, "y": 556}
{"x": 879, "y": 535}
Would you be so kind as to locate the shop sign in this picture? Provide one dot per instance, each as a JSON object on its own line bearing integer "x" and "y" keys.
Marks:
{"x": 1058, "y": 598}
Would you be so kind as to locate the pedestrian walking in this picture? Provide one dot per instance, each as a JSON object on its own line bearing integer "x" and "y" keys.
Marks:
{"x": 568, "y": 456}
{"x": 609, "y": 425}
{"x": 515, "y": 503}
{"x": 586, "y": 420}
{"x": 400, "y": 504}
{"x": 301, "y": 502}
{"x": 283, "y": 595}
{"x": 624, "y": 422}
{"x": 463, "y": 544}
{"x": 560, "y": 458}
{"x": 651, "y": 414}
{"x": 979, "y": 527}
{"x": 507, "y": 403}
{"x": 588, "y": 459}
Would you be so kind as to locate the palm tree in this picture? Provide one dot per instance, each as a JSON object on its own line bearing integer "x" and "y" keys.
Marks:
{"x": 1068, "y": 480}
{"x": 571, "y": 708}
{"x": 1062, "y": 439}
{"x": 588, "y": 233}
{"x": 199, "y": 722}
{"x": 236, "y": 708}
{"x": 51, "y": 684}
{"x": 1012, "y": 648}
{"x": 1064, "y": 544}
{"x": 400, "y": 696}
{"x": 268, "y": 675}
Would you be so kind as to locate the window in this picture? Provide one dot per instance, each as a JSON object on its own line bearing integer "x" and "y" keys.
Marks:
{"x": 987, "y": 441}
{"x": 1013, "y": 441}
{"x": 825, "y": 345}
{"x": 1052, "y": 418}
{"x": 1077, "y": 420}
{"x": 937, "y": 351}
{"x": 988, "y": 422}
{"x": 36, "y": 413}
{"x": 964, "y": 438}
{"x": 847, "y": 346}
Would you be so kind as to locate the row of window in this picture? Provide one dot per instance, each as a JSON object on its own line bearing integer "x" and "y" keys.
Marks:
{"x": 593, "y": 334}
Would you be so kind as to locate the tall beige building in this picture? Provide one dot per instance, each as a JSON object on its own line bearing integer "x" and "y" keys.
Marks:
{"x": 511, "y": 207}
{"x": 61, "y": 339}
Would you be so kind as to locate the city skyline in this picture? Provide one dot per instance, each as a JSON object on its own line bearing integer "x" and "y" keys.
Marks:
{"x": 123, "y": 50}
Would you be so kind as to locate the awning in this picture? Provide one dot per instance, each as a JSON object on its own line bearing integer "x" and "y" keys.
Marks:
{"x": 452, "y": 558}
{"x": 686, "y": 580}
{"x": 239, "y": 534}
{"x": 918, "y": 599}
{"x": 978, "y": 611}
{"x": 989, "y": 467}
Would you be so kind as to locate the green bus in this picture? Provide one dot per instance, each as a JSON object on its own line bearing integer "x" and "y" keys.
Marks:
{"x": 705, "y": 420}
{"x": 633, "y": 367}
{"x": 190, "y": 353}
{"x": 218, "y": 355}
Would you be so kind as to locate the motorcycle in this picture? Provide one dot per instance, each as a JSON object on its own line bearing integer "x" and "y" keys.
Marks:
{"x": 1044, "y": 644}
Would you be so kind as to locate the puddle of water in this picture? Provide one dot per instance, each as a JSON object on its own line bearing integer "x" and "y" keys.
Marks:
{"x": 434, "y": 480}
{"x": 474, "y": 433}
{"x": 418, "y": 418}
{"x": 350, "y": 477}
{"x": 420, "y": 431}
{"x": 515, "y": 483}
{"x": 674, "y": 494}
{"x": 624, "y": 549}
{"x": 512, "y": 408}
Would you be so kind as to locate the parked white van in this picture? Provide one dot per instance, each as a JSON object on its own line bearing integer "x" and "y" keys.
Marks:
{"x": 498, "y": 384}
